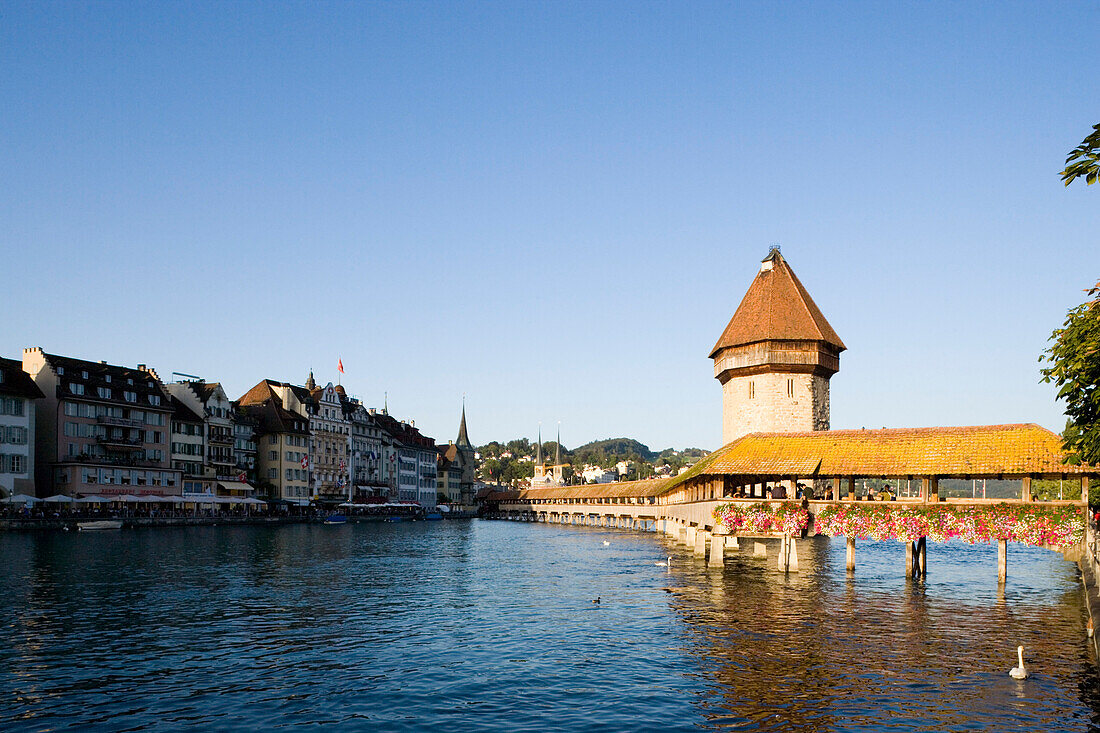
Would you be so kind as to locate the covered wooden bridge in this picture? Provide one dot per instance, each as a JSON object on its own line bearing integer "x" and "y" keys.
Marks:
{"x": 825, "y": 473}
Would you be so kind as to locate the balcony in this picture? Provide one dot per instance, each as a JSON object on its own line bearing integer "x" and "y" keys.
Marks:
{"x": 119, "y": 443}
{"x": 119, "y": 422}
{"x": 221, "y": 438}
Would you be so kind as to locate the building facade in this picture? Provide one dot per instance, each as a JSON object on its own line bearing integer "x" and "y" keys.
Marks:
{"x": 188, "y": 450}
{"x": 17, "y": 395}
{"x": 219, "y": 429}
{"x": 245, "y": 429}
{"x": 101, "y": 429}
{"x": 412, "y": 461}
{"x": 365, "y": 457}
{"x": 282, "y": 439}
{"x": 330, "y": 438}
{"x": 775, "y": 357}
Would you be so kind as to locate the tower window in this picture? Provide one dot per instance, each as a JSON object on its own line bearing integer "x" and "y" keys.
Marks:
{"x": 790, "y": 388}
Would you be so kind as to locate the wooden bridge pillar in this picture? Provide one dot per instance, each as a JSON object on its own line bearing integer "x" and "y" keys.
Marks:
{"x": 759, "y": 549}
{"x": 1085, "y": 489}
{"x": 788, "y": 555}
{"x": 1002, "y": 561}
{"x": 717, "y": 550}
{"x": 851, "y": 488}
{"x": 921, "y": 551}
{"x": 850, "y": 554}
{"x": 1025, "y": 489}
{"x": 701, "y": 536}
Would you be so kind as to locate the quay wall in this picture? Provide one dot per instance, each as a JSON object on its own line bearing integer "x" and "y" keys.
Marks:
{"x": 21, "y": 524}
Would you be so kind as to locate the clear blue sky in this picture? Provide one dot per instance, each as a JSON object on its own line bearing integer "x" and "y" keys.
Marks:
{"x": 551, "y": 207}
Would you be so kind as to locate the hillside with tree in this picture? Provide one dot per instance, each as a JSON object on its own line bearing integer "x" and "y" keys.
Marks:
{"x": 511, "y": 462}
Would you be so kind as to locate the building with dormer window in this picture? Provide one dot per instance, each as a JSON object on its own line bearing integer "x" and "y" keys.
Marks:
{"x": 101, "y": 429}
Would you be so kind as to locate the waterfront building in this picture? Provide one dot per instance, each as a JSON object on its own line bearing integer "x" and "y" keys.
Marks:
{"x": 365, "y": 454}
{"x": 283, "y": 438}
{"x": 775, "y": 357}
{"x": 188, "y": 449}
{"x": 412, "y": 460}
{"x": 245, "y": 428}
{"x": 282, "y": 451}
{"x": 17, "y": 426}
{"x": 101, "y": 429}
{"x": 330, "y": 438}
{"x": 220, "y": 471}
{"x": 456, "y": 468}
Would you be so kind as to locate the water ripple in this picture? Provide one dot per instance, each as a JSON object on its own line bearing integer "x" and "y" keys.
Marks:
{"x": 490, "y": 626}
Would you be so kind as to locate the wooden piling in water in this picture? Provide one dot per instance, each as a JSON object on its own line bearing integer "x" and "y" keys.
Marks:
{"x": 1002, "y": 560}
{"x": 850, "y": 555}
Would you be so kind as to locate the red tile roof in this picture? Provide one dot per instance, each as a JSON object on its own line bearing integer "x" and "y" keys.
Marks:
{"x": 776, "y": 308}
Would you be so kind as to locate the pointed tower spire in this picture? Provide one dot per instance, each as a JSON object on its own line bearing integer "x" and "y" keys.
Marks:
{"x": 463, "y": 439}
{"x": 557, "y": 448}
{"x": 310, "y": 383}
{"x": 538, "y": 452}
{"x": 775, "y": 357}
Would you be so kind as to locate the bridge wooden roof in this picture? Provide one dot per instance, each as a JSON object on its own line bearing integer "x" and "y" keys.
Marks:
{"x": 976, "y": 451}
{"x": 621, "y": 489}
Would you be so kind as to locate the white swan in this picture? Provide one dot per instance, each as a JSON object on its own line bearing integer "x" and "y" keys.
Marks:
{"x": 666, "y": 564}
{"x": 1020, "y": 672}
{"x": 606, "y": 543}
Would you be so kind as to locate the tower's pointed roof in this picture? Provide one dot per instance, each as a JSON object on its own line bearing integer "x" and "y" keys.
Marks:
{"x": 557, "y": 449}
{"x": 538, "y": 454}
{"x": 463, "y": 439}
{"x": 776, "y": 308}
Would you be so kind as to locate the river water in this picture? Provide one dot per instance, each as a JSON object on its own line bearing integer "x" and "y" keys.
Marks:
{"x": 479, "y": 625}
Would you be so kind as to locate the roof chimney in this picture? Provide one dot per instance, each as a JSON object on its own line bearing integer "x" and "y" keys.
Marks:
{"x": 141, "y": 367}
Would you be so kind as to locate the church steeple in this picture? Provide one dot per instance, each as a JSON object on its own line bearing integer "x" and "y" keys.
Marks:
{"x": 463, "y": 439}
{"x": 557, "y": 448}
{"x": 538, "y": 451}
{"x": 310, "y": 383}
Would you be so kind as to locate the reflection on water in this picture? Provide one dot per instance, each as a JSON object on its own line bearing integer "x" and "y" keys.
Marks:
{"x": 491, "y": 626}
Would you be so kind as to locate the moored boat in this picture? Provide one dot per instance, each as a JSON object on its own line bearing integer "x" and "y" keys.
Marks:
{"x": 336, "y": 519}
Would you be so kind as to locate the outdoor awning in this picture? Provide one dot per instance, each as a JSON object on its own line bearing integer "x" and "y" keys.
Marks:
{"x": 59, "y": 499}
{"x": 236, "y": 486}
{"x": 20, "y": 499}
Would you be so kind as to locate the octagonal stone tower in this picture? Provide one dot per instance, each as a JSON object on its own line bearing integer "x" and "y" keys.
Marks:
{"x": 775, "y": 357}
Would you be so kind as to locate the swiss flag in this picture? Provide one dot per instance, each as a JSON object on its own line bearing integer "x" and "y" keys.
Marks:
{"x": 340, "y": 365}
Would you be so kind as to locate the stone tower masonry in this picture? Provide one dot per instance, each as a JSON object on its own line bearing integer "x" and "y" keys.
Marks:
{"x": 775, "y": 358}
